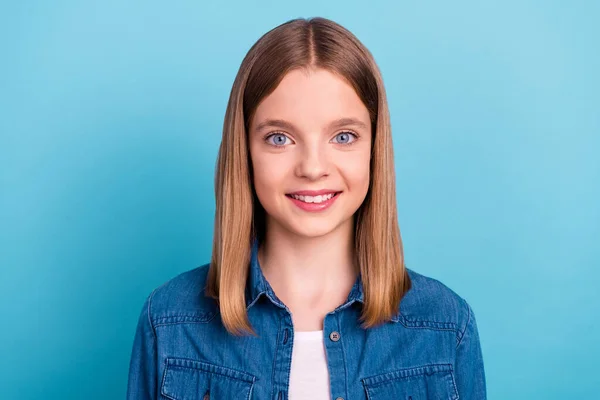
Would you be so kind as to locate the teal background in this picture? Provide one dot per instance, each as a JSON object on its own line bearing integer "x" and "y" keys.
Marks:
{"x": 111, "y": 116}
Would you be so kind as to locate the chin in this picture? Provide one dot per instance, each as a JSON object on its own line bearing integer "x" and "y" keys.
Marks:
{"x": 314, "y": 233}
{"x": 314, "y": 229}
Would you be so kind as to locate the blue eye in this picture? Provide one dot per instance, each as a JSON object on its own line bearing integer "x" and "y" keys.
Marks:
{"x": 279, "y": 139}
{"x": 345, "y": 137}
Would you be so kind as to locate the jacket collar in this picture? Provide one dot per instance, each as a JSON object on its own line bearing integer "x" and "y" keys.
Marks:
{"x": 257, "y": 284}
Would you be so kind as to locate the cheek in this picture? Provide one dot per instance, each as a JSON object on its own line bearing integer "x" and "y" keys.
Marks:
{"x": 268, "y": 179}
{"x": 357, "y": 173}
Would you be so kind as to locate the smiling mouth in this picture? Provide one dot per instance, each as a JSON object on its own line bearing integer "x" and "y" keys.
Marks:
{"x": 314, "y": 199}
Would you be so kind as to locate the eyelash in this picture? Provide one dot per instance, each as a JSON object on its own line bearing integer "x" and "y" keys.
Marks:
{"x": 356, "y": 137}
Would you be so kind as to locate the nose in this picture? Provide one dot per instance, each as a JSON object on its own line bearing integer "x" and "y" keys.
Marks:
{"x": 313, "y": 162}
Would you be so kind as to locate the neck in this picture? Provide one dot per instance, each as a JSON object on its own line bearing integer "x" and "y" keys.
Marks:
{"x": 309, "y": 270}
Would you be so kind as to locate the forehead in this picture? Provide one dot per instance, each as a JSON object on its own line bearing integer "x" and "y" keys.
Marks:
{"x": 311, "y": 99}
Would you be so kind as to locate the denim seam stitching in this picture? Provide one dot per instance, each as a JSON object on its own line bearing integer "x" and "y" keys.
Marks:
{"x": 454, "y": 385}
{"x": 149, "y": 312}
{"x": 368, "y": 380}
{"x": 175, "y": 319}
{"x": 254, "y": 300}
{"x": 344, "y": 354}
{"x": 164, "y": 379}
{"x": 193, "y": 315}
{"x": 217, "y": 369}
{"x": 449, "y": 326}
{"x": 426, "y": 321}
{"x": 180, "y": 323}
{"x": 275, "y": 359}
{"x": 288, "y": 366}
{"x": 462, "y": 334}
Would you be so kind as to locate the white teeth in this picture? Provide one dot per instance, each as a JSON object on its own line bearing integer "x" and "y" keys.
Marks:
{"x": 313, "y": 199}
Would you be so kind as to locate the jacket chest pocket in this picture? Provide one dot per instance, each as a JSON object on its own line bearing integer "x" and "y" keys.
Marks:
{"x": 186, "y": 379}
{"x": 427, "y": 382}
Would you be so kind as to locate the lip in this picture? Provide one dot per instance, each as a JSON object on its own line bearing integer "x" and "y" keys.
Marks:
{"x": 315, "y": 207}
{"x": 315, "y": 192}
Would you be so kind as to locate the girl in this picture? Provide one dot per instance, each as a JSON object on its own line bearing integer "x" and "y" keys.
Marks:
{"x": 307, "y": 295}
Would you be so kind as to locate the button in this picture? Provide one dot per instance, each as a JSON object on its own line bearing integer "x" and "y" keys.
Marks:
{"x": 339, "y": 398}
{"x": 335, "y": 336}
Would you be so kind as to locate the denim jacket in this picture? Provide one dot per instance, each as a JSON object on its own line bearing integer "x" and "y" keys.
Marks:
{"x": 181, "y": 350}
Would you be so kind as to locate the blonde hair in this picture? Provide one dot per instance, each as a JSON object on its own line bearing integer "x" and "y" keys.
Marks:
{"x": 240, "y": 218}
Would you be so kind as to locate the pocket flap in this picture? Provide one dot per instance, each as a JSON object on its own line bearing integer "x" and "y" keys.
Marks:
{"x": 186, "y": 379}
{"x": 434, "y": 381}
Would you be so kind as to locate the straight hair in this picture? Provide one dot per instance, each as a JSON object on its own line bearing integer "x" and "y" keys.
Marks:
{"x": 239, "y": 217}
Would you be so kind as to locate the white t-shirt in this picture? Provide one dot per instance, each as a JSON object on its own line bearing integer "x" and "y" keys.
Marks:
{"x": 309, "y": 376}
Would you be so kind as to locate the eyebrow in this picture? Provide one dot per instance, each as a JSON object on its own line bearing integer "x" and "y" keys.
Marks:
{"x": 338, "y": 123}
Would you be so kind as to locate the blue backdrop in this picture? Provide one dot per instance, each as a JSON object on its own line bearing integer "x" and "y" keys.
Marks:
{"x": 111, "y": 116}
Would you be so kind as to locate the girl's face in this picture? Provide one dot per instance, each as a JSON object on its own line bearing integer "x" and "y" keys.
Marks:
{"x": 311, "y": 134}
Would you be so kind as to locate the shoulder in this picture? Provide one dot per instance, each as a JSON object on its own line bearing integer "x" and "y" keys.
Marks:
{"x": 182, "y": 299}
{"x": 431, "y": 304}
